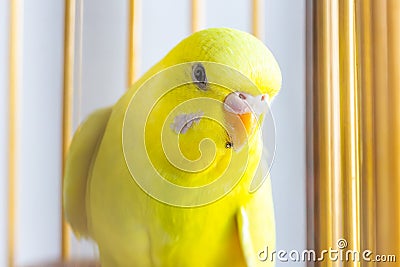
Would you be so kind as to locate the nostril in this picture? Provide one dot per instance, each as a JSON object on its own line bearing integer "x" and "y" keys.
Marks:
{"x": 235, "y": 103}
{"x": 242, "y": 96}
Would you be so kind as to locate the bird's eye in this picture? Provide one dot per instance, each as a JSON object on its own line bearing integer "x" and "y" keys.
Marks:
{"x": 199, "y": 76}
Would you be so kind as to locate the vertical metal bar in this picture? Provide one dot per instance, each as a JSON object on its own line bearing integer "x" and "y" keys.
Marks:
{"x": 367, "y": 125}
{"x": 15, "y": 76}
{"x": 133, "y": 46}
{"x": 366, "y": 192}
{"x": 388, "y": 238}
{"x": 69, "y": 47}
{"x": 258, "y": 21}
{"x": 324, "y": 126}
{"x": 319, "y": 126}
{"x": 197, "y": 15}
{"x": 335, "y": 131}
{"x": 382, "y": 146}
{"x": 379, "y": 54}
{"x": 333, "y": 124}
{"x": 350, "y": 159}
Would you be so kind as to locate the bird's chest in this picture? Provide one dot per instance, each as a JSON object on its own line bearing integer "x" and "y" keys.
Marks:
{"x": 201, "y": 233}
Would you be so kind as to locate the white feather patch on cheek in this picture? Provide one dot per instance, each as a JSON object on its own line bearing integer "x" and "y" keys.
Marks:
{"x": 183, "y": 122}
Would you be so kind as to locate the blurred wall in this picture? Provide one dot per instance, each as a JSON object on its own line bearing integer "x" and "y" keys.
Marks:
{"x": 103, "y": 72}
{"x": 3, "y": 126}
{"x": 286, "y": 38}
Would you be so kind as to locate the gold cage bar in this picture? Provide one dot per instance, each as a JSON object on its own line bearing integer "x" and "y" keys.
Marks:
{"x": 386, "y": 87}
{"x": 197, "y": 15}
{"x": 393, "y": 20}
{"x": 367, "y": 169}
{"x": 14, "y": 84}
{"x": 133, "y": 40}
{"x": 258, "y": 18}
{"x": 69, "y": 49}
{"x": 353, "y": 127}
{"x": 349, "y": 113}
{"x": 322, "y": 122}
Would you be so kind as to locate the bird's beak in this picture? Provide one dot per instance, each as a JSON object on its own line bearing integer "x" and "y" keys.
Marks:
{"x": 242, "y": 115}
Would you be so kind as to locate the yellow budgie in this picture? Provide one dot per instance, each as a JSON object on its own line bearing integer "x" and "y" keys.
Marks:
{"x": 170, "y": 175}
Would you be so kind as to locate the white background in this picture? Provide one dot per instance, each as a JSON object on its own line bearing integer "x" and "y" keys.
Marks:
{"x": 104, "y": 61}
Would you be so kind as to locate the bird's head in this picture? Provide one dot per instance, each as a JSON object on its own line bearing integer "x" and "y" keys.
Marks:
{"x": 214, "y": 90}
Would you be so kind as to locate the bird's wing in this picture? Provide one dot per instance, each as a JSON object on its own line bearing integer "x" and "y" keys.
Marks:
{"x": 246, "y": 243}
{"x": 81, "y": 154}
{"x": 256, "y": 226}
